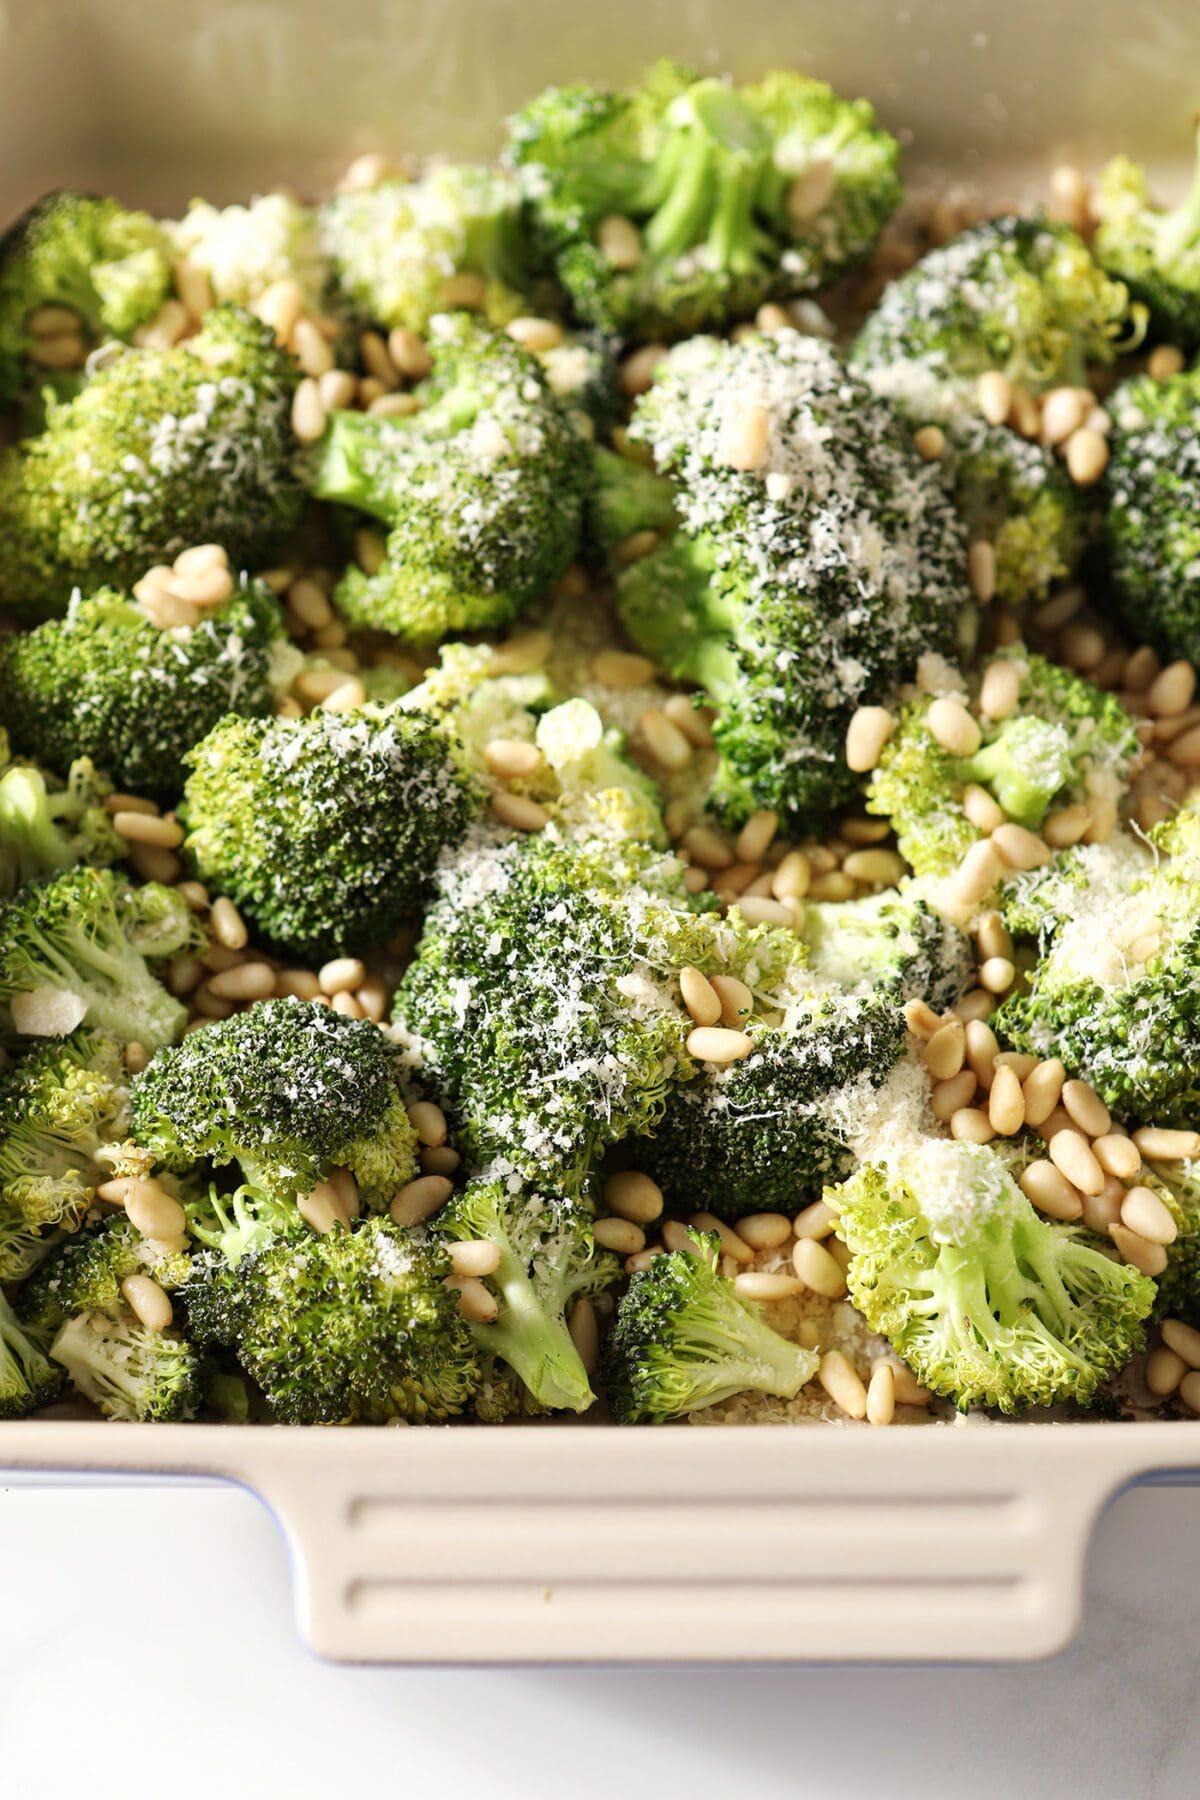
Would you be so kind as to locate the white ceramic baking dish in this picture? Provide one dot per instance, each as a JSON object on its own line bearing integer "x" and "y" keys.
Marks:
{"x": 578, "y": 1543}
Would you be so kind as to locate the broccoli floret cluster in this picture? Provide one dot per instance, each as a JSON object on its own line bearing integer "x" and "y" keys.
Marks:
{"x": 1178, "y": 1187}
{"x": 1155, "y": 251}
{"x": 324, "y": 830}
{"x": 47, "y": 825}
{"x": 108, "y": 683}
{"x": 1152, "y": 520}
{"x": 62, "y": 1104}
{"x": 287, "y": 1090}
{"x": 818, "y": 558}
{"x": 28, "y": 1379}
{"x": 244, "y": 250}
{"x": 85, "y": 1273}
{"x": 683, "y": 204}
{"x": 893, "y": 943}
{"x": 161, "y": 449}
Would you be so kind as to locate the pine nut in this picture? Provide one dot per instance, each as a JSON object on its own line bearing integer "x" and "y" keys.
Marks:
{"x": 970, "y": 1126}
{"x": 997, "y": 974}
{"x": 115, "y": 803}
{"x": 208, "y": 587}
{"x": 945, "y": 1051}
{"x": 995, "y": 397}
{"x": 949, "y": 1097}
{"x": 875, "y": 868}
{"x": 1150, "y": 1259}
{"x": 1019, "y": 1061}
{"x": 308, "y": 413}
{"x": 982, "y": 1050}
{"x": 811, "y": 191}
{"x": 148, "y": 828}
{"x": 1184, "y": 1340}
{"x": 977, "y": 874}
{"x": 152, "y": 1210}
{"x": 731, "y": 1244}
{"x": 439, "y": 1159}
{"x": 622, "y": 669}
{"x": 634, "y": 1196}
{"x": 1018, "y": 848}
{"x": 585, "y": 1333}
{"x": 816, "y": 1268}
{"x": 227, "y": 925}
{"x": 1172, "y": 691}
{"x": 1159, "y": 1145}
{"x": 1185, "y": 750}
{"x": 843, "y": 1385}
{"x": 1086, "y": 1108}
{"x": 1059, "y": 1120}
{"x": 409, "y": 354}
{"x": 869, "y": 731}
{"x": 981, "y": 810}
{"x": 909, "y": 1391}
{"x": 699, "y": 996}
{"x": 53, "y": 321}
{"x": 429, "y": 1123}
{"x": 637, "y": 370}
{"x": 864, "y": 831}
{"x": 756, "y": 835}
{"x": 715, "y": 1044}
{"x": 63, "y": 351}
{"x": 420, "y": 1199}
{"x": 1081, "y": 646}
{"x": 981, "y": 570}
{"x": 744, "y": 438}
{"x": 881, "y": 1395}
{"x": 1043, "y": 1089}
{"x": 341, "y": 975}
{"x": 248, "y": 981}
{"x": 474, "y": 1256}
{"x": 344, "y": 1003}
{"x": 815, "y": 1221}
{"x": 301, "y": 983}
{"x": 1117, "y": 1156}
{"x": 619, "y": 242}
{"x": 1142, "y": 1211}
{"x": 1006, "y": 1103}
{"x": 1048, "y": 1189}
{"x": 930, "y": 443}
{"x": 677, "y": 1239}
{"x": 1063, "y": 412}
{"x": 737, "y": 1002}
{"x": 665, "y": 742}
{"x": 761, "y": 1284}
{"x": 953, "y": 727}
{"x": 993, "y": 936}
{"x": 1103, "y": 1210}
{"x": 1066, "y": 826}
{"x": 1071, "y": 1153}
{"x": 1000, "y": 690}
{"x": 519, "y": 811}
{"x": 1189, "y": 1392}
{"x": 921, "y": 1019}
{"x": 1164, "y": 1371}
{"x": 792, "y": 879}
{"x": 148, "y": 1301}
{"x": 618, "y": 1234}
{"x": 322, "y": 1208}
{"x": 1087, "y": 456}
{"x": 477, "y": 1304}
{"x": 757, "y": 911}
{"x": 708, "y": 848}
{"x": 764, "y": 1231}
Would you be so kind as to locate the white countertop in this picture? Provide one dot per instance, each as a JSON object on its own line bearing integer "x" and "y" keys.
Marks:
{"x": 160, "y": 1618}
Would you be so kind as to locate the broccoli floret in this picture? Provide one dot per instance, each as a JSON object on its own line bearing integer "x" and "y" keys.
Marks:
{"x": 987, "y": 1303}
{"x": 241, "y": 1222}
{"x": 108, "y": 683}
{"x": 73, "y": 951}
{"x": 894, "y": 943}
{"x": 1152, "y": 519}
{"x": 1017, "y": 496}
{"x": 758, "y": 1136}
{"x": 626, "y": 497}
{"x": 64, "y": 1102}
{"x": 45, "y": 826}
{"x": 324, "y": 830}
{"x": 1155, "y": 252}
{"x": 482, "y": 490}
{"x": 542, "y": 1005}
{"x": 354, "y": 1325}
{"x": 108, "y": 266}
{"x": 1178, "y": 1187}
{"x": 160, "y": 450}
{"x": 1116, "y": 990}
{"x": 684, "y": 1340}
{"x": 244, "y": 250}
{"x": 1066, "y": 741}
{"x": 547, "y": 1259}
{"x": 28, "y": 1379}
{"x": 288, "y": 1090}
{"x": 734, "y": 195}
{"x": 583, "y": 373}
{"x": 85, "y": 1272}
{"x": 22, "y": 1246}
{"x": 835, "y": 562}
{"x": 399, "y": 249}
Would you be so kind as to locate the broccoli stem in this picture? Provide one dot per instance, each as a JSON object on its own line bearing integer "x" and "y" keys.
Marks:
{"x": 716, "y": 1352}
{"x": 535, "y": 1344}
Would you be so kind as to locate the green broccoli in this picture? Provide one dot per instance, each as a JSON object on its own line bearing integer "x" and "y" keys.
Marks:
{"x": 241, "y": 1222}
{"x": 987, "y": 1303}
{"x": 1178, "y": 1187}
{"x": 1156, "y": 253}
{"x": 1017, "y": 496}
{"x": 244, "y": 250}
{"x": 74, "y": 949}
{"x": 324, "y": 830}
{"x": 64, "y": 1101}
{"x": 84, "y": 1274}
{"x": 45, "y": 826}
{"x": 400, "y": 249}
{"x": 801, "y": 587}
{"x": 725, "y": 197}
{"x": 626, "y": 497}
{"x": 27, "y": 1378}
{"x": 108, "y": 683}
{"x": 1152, "y": 519}
{"x": 288, "y": 1090}
{"x": 160, "y": 450}
{"x": 684, "y": 1340}
{"x": 761, "y": 1135}
{"x": 893, "y": 943}
{"x": 482, "y": 490}
{"x": 582, "y": 373}
{"x": 89, "y": 256}
{"x": 547, "y": 1259}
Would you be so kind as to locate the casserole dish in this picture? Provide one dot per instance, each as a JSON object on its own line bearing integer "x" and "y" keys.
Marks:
{"x": 580, "y": 1543}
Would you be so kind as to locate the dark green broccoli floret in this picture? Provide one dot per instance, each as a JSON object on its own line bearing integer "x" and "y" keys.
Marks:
{"x": 354, "y": 1325}
{"x": 73, "y": 952}
{"x": 892, "y": 942}
{"x": 482, "y": 490}
{"x": 836, "y": 561}
{"x": 987, "y": 1303}
{"x": 397, "y": 248}
{"x": 762, "y": 1135}
{"x": 324, "y": 830}
{"x": 1154, "y": 251}
{"x": 626, "y": 497}
{"x": 27, "y": 1378}
{"x": 288, "y": 1090}
{"x": 108, "y": 683}
{"x": 683, "y": 1340}
{"x": 734, "y": 195}
{"x": 547, "y": 1259}
{"x": 1178, "y": 1187}
{"x": 66, "y": 1099}
{"x": 1066, "y": 741}
{"x": 542, "y": 1004}
{"x": 45, "y": 826}
{"x": 1152, "y": 520}
{"x": 160, "y": 450}
{"x": 109, "y": 267}
{"x": 85, "y": 1272}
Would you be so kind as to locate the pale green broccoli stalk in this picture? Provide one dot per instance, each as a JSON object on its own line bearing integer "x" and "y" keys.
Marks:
{"x": 734, "y": 195}
{"x": 988, "y": 1304}
{"x": 63, "y": 1104}
{"x": 74, "y": 950}
{"x": 324, "y": 830}
{"x": 288, "y": 1091}
{"x": 548, "y": 1259}
{"x": 1155, "y": 251}
{"x": 236, "y": 1224}
{"x": 683, "y": 1340}
{"x": 109, "y": 267}
{"x": 398, "y": 249}
{"x": 28, "y": 1379}
{"x": 106, "y": 682}
{"x": 1152, "y": 520}
{"x": 891, "y": 943}
{"x": 45, "y": 826}
{"x": 161, "y": 449}
{"x": 482, "y": 490}
{"x": 244, "y": 250}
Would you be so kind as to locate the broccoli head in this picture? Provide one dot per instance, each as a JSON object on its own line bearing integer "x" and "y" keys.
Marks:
{"x": 683, "y": 204}
{"x": 626, "y": 497}
{"x": 28, "y": 1379}
{"x": 481, "y": 490}
{"x": 988, "y": 1304}
{"x": 547, "y": 1260}
{"x": 109, "y": 267}
{"x": 107, "y": 683}
{"x": 1152, "y": 519}
{"x": 45, "y": 825}
{"x": 85, "y": 1271}
{"x": 74, "y": 949}
{"x": 244, "y": 250}
{"x": 684, "y": 1340}
{"x": 160, "y": 449}
{"x": 1017, "y": 496}
{"x": 893, "y": 943}
{"x": 1178, "y": 1187}
{"x": 64, "y": 1101}
{"x": 1154, "y": 251}
{"x": 325, "y": 830}
{"x": 288, "y": 1090}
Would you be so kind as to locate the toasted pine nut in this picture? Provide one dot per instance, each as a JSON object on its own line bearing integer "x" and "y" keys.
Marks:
{"x": 1164, "y": 1371}
{"x": 731, "y": 1244}
{"x": 476, "y": 1302}
{"x": 977, "y": 874}
{"x": 1006, "y": 1103}
{"x": 1150, "y": 1258}
{"x": 154, "y": 1212}
{"x": 439, "y": 1159}
{"x": 618, "y": 1234}
{"x": 1086, "y": 1108}
{"x": 843, "y": 1384}
{"x": 522, "y": 654}
{"x": 637, "y": 370}
{"x": 227, "y": 925}
{"x": 148, "y": 1301}
{"x": 997, "y": 974}
{"x": 716, "y": 1044}
{"x": 1066, "y": 826}
{"x": 420, "y": 1199}
{"x": 995, "y": 397}
{"x": 1189, "y": 1392}
{"x": 881, "y": 1395}
{"x": 634, "y": 1196}
{"x": 737, "y": 1002}
{"x": 1142, "y": 1211}
{"x": 817, "y": 1269}
{"x": 759, "y": 911}
{"x": 622, "y": 669}
{"x": 930, "y": 443}
{"x": 585, "y": 1333}
{"x": 993, "y": 936}
{"x": 744, "y": 438}
{"x": 981, "y": 570}
{"x": 1071, "y": 1153}
{"x": 341, "y": 974}
{"x": 792, "y": 879}
{"x": 707, "y": 848}
{"x": 867, "y": 734}
{"x": 1050, "y": 1191}
{"x": 982, "y": 1050}
{"x": 248, "y": 981}
{"x": 676, "y": 1238}
{"x": 1160, "y": 1145}
{"x": 1043, "y": 1088}
{"x": 764, "y": 1231}
{"x": 945, "y": 1051}
{"x": 1172, "y": 690}
{"x": 301, "y": 983}
{"x": 1117, "y": 1156}
{"x": 519, "y": 811}
{"x": 1087, "y": 456}
{"x": 811, "y": 191}
{"x": 1164, "y": 361}
{"x": 148, "y": 828}
{"x": 1019, "y": 1061}
{"x": 1103, "y": 1210}
{"x": 762, "y": 1284}
{"x": 971, "y": 1126}
{"x": 699, "y": 996}
{"x": 665, "y": 742}
{"x": 692, "y": 720}
{"x": 409, "y": 354}
{"x": 619, "y": 241}
{"x": 981, "y": 810}
{"x": 876, "y": 867}
{"x": 953, "y": 727}
{"x": 952, "y": 1096}
{"x": 1018, "y": 848}
{"x": 921, "y": 1019}
{"x": 429, "y": 1123}
{"x": 1184, "y": 1340}
{"x": 754, "y": 839}
{"x": 474, "y": 1256}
